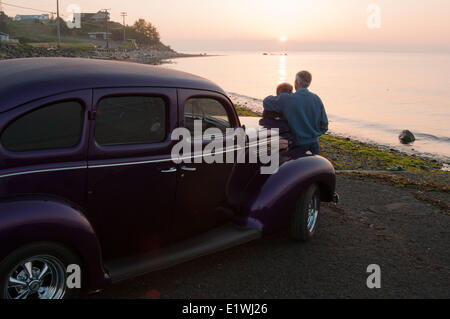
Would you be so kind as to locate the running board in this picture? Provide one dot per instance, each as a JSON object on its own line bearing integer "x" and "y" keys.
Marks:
{"x": 218, "y": 239}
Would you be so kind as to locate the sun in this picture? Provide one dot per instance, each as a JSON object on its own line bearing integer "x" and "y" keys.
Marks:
{"x": 283, "y": 38}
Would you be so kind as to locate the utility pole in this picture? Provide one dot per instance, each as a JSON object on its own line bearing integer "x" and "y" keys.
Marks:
{"x": 107, "y": 27}
{"x": 124, "y": 14}
{"x": 58, "y": 27}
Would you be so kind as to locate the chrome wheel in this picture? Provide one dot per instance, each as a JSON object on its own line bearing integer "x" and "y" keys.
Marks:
{"x": 38, "y": 277}
{"x": 313, "y": 212}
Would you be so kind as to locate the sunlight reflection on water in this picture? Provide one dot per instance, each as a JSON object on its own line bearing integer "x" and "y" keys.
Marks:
{"x": 282, "y": 69}
{"x": 369, "y": 96}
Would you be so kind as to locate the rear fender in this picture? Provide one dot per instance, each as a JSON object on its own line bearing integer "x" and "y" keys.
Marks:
{"x": 271, "y": 200}
{"x": 25, "y": 220}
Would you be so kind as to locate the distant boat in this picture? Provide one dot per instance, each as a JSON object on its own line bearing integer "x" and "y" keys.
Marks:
{"x": 265, "y": 53}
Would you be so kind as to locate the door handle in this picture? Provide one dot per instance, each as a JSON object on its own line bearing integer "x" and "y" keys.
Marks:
{"x": 169, "y": 170}
{"x": 189, "y": 169}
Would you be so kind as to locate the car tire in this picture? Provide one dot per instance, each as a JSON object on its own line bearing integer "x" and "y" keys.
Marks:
{"x": 45, "y": 258}
{"x": 305, "y": 217}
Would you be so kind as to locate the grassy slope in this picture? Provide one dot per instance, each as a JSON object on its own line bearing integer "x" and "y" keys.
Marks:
{"x": 40, "y": 34}
{"x": 65, "y": 45}
{"x": 244, "y": 111}
{"x": 347, "y": 154}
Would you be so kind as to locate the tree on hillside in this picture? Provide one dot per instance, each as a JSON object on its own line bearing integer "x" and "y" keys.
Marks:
{"x": 65, "y": 31}
{"x": 145, "y": 33}
{"x": 4, "y": 19}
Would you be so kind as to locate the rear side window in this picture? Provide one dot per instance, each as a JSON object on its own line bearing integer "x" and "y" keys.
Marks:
{"x": 210, "y": 111}
{"x": 124, "y": 120}
{"x": 54, "y": 126}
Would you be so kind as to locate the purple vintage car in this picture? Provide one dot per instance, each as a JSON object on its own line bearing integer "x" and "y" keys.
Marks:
{"x": 87, "y": 177}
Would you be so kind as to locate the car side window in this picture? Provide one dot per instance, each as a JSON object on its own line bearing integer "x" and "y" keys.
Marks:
{"x": 210, "y": 111}
{"x": 125, "y": 120}
{"x": 53, "y": 126}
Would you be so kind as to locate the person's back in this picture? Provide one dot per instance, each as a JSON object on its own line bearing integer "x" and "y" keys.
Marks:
{"x": 274, "y": 120}
{"x": 303, "y": 111}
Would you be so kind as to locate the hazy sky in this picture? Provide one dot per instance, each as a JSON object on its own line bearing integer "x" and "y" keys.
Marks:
{"x": 198, "y": 25}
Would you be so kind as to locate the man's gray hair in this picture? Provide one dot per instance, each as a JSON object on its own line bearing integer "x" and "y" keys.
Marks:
{"x": 303, "y": 79}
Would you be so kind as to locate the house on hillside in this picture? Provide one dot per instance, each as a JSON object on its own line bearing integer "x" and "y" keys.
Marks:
{"x": 30, "y": 18}
{"x": 99, "y": 35}
{"x": 99, "y": 16}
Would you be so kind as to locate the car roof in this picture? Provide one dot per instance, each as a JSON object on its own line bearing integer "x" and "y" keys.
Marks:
{"x": 24, "y": 80}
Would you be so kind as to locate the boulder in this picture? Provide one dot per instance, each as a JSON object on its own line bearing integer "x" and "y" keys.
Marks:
{"x": 406, "y": 137}
{"x": 396, "y": 169}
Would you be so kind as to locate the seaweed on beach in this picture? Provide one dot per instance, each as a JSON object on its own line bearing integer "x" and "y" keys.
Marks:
{"x": 346, "y": 154}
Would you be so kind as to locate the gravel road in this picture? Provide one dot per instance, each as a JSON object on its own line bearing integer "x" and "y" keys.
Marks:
{"x": 373, "y": 224}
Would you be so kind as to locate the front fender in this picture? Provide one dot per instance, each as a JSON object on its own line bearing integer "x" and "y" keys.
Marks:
{"x": 272, "y": 199}
{"x": 26, "y": 220}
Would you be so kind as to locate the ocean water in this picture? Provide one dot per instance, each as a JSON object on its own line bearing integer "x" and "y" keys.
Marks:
{"x": 370, "y": 97}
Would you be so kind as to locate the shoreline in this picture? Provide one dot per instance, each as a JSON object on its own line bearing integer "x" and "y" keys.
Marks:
{"x": 349, "y": 154}
{"x": 251, "y": 107}
{"x": 386, "y": 148}
{"x": 142, "y": 56}
{"x": 168, "y": 60}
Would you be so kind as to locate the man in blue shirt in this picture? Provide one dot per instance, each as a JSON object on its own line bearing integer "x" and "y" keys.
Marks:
{"x": 303, "y": 111}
